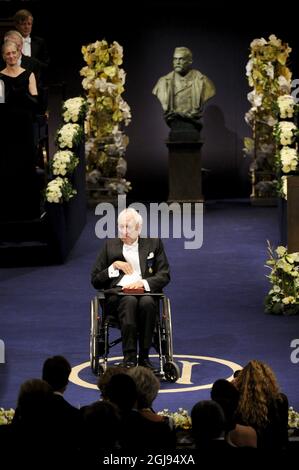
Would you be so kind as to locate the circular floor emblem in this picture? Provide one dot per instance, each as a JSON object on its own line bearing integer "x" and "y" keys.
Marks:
{"x": 197, "y": 373}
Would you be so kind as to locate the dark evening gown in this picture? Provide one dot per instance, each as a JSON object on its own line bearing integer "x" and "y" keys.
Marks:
{"x": 19, "y": 191}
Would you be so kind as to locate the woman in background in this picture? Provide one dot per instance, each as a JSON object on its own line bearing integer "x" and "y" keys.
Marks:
{"x": 19, "y": 193}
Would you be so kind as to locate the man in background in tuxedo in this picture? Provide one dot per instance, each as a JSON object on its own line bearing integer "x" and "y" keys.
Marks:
{"x": 131, "y": 262}
{"x": 33, "y": 46}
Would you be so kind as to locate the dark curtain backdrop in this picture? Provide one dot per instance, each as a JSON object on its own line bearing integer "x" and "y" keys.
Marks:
{"x": 149, "y": 32}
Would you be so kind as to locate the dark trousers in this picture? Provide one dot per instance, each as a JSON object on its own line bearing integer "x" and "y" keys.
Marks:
{"x": 137, "y": 318}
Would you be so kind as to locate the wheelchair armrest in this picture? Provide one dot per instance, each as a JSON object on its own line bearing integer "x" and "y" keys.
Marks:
{"x": 101, "y": 295}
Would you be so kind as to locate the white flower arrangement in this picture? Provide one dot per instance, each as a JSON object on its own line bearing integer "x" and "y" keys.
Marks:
{"x": 73, "y": 109}
{"x": 269, "y": 77}
{"x": 286, "y": 104}
{"x": 121, "y": 186}
{"x": 286, "y": 132}
{"x": 59, "y": 190}
{"x": 284, "y": 187}
{"x": 6, "y": 416}
{"x": 283, "y": 297}
{"x": 289, "y": 159}
{"x": 181, "y": 418}
{"x": 69, "y": 135}
{"x": 293, "y": 418}
{"x": 63, "y": 162}
{"x": 107, "y": 114}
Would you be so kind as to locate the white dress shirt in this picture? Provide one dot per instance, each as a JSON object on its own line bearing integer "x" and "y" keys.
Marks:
{"x": 131, "y": 255}
{"x": 27, "y": 46}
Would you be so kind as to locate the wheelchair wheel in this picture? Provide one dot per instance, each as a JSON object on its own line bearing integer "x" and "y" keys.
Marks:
{"x": 171, "y": 371}
{"x": 94, "y": 336}
{"x": 167, "y": 344}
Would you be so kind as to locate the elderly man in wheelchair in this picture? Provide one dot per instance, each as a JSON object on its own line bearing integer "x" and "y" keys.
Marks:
{"x": 132, "y": 271}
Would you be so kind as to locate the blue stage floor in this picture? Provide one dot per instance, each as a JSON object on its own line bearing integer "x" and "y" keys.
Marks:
{"x": 216, "y": 294}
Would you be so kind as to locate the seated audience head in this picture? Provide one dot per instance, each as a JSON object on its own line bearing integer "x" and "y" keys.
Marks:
{"x": 121, "y": 390}
{"x": 104, "y": 378}
{"x": 258, "y": 389}
{"x": 147, "y": 386}
{"x": 226, "y": 394}
{"x": 56, "y": 371}
{"x": 101, "y": 423}
{"x": 129, "y": 225}
{"x": 208, "y": 422}
{"x": 23, "y": 22}
{"x": 33, "y": 400}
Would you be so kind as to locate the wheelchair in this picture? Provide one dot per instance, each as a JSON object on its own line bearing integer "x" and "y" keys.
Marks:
{"x": 100, "y": 344}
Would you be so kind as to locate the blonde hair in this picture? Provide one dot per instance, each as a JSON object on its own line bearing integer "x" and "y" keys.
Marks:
{"x": 6, "y": 44}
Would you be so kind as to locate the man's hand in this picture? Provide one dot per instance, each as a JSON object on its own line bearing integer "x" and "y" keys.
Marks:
{"x": 134, "y": 285}
{"x": 123, "y": 266}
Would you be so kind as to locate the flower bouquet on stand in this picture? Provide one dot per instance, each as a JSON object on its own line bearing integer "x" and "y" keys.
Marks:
{"x": 269, "y": 77}
{"x": 283, "y": 297}
{"x": 59, "y": 190}
{"x": 74, "y": 110}
{"x": 63, "y": 162}
{"x": 69, "y": 135}
{"x": 107, "y": 114}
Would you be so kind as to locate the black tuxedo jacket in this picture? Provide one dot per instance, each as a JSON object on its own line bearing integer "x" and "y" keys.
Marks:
{"x": 39, "y": 51}
{"x": 153, "y": 264}
{"x": 29, "y": 63}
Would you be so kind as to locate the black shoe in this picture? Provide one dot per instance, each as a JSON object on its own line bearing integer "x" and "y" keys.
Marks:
{"x": 145, "y": 362}
{"x": 130, "y": 360}
{"x": 129, "y": 364}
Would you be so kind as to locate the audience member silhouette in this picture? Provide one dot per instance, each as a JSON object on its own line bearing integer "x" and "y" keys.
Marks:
{"x": 33, "y": 425}
{"x": 56, "y": 371}
{"x": 104, "y": 379}
{"x": 156, "y": 432}
{"x": 208, "y": 425}
{"x": 262, "y": 405}
{"x": 100, "y": 430}
{"x": 237, "y": 435}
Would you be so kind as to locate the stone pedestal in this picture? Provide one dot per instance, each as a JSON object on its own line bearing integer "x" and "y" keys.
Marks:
{"x": 184, "y": 161}
{"x": 293, "y": 213}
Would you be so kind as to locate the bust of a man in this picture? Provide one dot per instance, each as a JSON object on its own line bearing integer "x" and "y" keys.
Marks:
{"x": 184, "y": 91}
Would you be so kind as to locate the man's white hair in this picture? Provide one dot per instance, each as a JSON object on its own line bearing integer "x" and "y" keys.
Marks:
{"x": 130, "y": 212}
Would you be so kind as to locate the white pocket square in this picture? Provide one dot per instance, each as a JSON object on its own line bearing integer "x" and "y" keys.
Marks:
{"x": 151, "y": 255}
